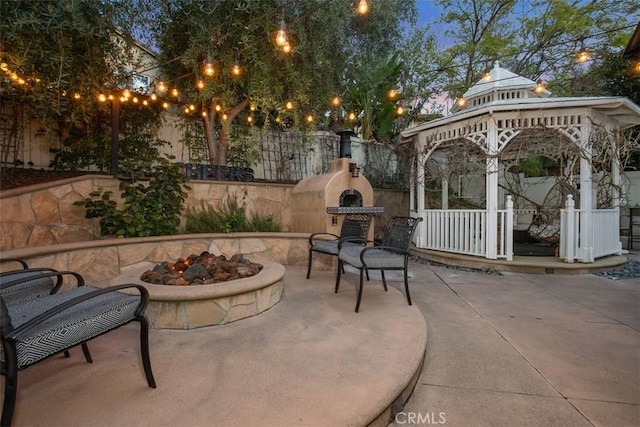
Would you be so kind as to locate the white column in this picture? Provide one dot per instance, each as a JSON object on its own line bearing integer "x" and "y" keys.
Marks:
{"x": 444, "y": 202}
{"x": 586, "y": 196}
{"x": 491, "y": 231}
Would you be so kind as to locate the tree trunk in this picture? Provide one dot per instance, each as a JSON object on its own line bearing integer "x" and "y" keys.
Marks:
{"x": 223, "y": 141}
{"x": 210, "y": 133}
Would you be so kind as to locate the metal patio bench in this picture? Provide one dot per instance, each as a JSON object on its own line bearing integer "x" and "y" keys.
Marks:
{"x": 355, "y": 228}
{"x": 34, "y": 329}
{"x": 391, "y": 254}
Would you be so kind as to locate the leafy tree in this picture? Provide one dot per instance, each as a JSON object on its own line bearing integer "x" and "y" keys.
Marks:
{"x": 58, "y": 55}
{"x": 535, "y": 39}
{"x": 328, "y": 40}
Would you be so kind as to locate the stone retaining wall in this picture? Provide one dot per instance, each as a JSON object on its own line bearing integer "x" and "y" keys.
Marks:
{"x": 44, "y": 214}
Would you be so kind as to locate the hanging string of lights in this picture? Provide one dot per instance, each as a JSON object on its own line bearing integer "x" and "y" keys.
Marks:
{"x": 281, "y": 40}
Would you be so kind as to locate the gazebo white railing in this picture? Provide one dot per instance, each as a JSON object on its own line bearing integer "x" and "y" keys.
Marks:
{"x": 464, "y": 231}
{"x": 587, "y": 235}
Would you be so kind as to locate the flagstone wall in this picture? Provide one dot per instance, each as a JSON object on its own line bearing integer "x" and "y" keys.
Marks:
{"x": 44, "y": 214}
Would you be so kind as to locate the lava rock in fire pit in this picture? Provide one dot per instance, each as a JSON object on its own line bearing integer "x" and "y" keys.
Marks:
{"x": 201, "y": 269}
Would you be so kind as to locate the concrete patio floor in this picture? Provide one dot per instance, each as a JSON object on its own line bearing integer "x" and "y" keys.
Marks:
{"x": 511, "y": 350}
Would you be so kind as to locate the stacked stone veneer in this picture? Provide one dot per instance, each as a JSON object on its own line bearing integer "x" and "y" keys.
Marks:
{"x": 106, "y": 262}
{"x": 44, "y": 214}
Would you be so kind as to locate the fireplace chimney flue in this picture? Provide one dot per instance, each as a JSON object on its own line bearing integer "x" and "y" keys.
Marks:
{"x": 345, "y": 142}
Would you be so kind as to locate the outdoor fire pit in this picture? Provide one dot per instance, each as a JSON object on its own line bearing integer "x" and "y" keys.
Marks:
{"x": 202, "y": 269}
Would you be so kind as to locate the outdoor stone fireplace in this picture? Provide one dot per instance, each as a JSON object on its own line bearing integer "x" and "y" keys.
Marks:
{"x": 320, "y": 202}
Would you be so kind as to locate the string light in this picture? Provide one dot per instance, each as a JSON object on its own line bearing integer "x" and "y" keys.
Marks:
{"x": 461, "y": 102}
{"x": 281, "y": 35}
{"x": 393, "y": 94}
{"x": 236, "y": 69}
{"x": 287, "y": 47}
{"x": 352, "y": 116}
{"x": 309, "y": 118}
{"x": 539, "y": 86}
{"x": 399, "y": 110}
{"x": 200, "y": 84}
{"x": 336, "y": 101}
{"x": 289, "y": 105}
{"x": 174, "y": 92}
{"x": 363, "y": 7}
{"x": 162, "y": 87}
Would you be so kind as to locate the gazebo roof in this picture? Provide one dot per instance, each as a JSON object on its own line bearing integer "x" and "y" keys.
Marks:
{"x": 501, "y": 79}
{"x": 503, "y": 90}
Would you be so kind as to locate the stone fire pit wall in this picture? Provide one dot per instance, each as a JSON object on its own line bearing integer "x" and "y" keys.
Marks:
{"x": 106, "y": 262}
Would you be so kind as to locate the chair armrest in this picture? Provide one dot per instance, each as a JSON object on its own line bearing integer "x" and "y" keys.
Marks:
{"x": 30, "y": 324}
{"x": 46, "y": 272}
{"x": 21, "y": 261}
{"x": 327, "y": 236}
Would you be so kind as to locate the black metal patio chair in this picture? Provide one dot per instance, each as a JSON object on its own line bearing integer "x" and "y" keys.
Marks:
{"x": 355, "y": 227}
{"x": 38, "y": 286}
{"x": 34, "y": 329}
{"x": 391, "y": 254}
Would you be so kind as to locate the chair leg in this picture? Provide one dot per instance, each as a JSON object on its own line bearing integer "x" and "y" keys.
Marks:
{"x": 85, "y": 351}
{"x": 406, "y": 286}
{"x": 144, "y": 350}
{"x": 338, "y": 273}
{"x": 10, "y": 388}
{"x": 360, "y": 290}
{"x": 309, "y": 263}
{"x": 367, "y": 271}
{"x": 384, "y": 281}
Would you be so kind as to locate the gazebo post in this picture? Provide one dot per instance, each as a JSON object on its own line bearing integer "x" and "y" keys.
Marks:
{"x": 586, "y": 195}
{"x": 491, "y": 232}
{"x": 616, "y": 179}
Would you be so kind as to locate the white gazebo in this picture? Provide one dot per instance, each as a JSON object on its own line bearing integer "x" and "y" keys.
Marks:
{"x": 501, "y": 121}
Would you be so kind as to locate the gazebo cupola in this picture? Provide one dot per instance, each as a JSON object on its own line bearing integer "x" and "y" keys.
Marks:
{"x": 500, "y": 84}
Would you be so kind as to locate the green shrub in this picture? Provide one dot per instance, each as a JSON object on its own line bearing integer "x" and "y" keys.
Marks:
{"x": 149, "y": 208}
{"x": 231, "y": 218}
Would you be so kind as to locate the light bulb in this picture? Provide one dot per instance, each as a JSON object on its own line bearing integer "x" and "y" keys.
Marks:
{"x": 400, "y": 111}
{"x": 461, "y": 102}
{"x": 165, "y": 105}
{"x": 174, "y": 92}
{"x": 310, "y": 118}
{"x": 102, "y": 97}
{"x": 336, "y": 101}
{"x": 289, "y": 105}
{"x": 393, "y": 93}
{"x": 281, "y": 36}
{"x": 208, "y": 69}
{"x": 236, "y": 69}
{"x": 583, "y": 56}
{"x": 539, "y": 86}
{"x": 287, "y": 47}
{"x": 200, "y": 84}
{"x": 363, "y": 7}
{"x": 352, "y": 116}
